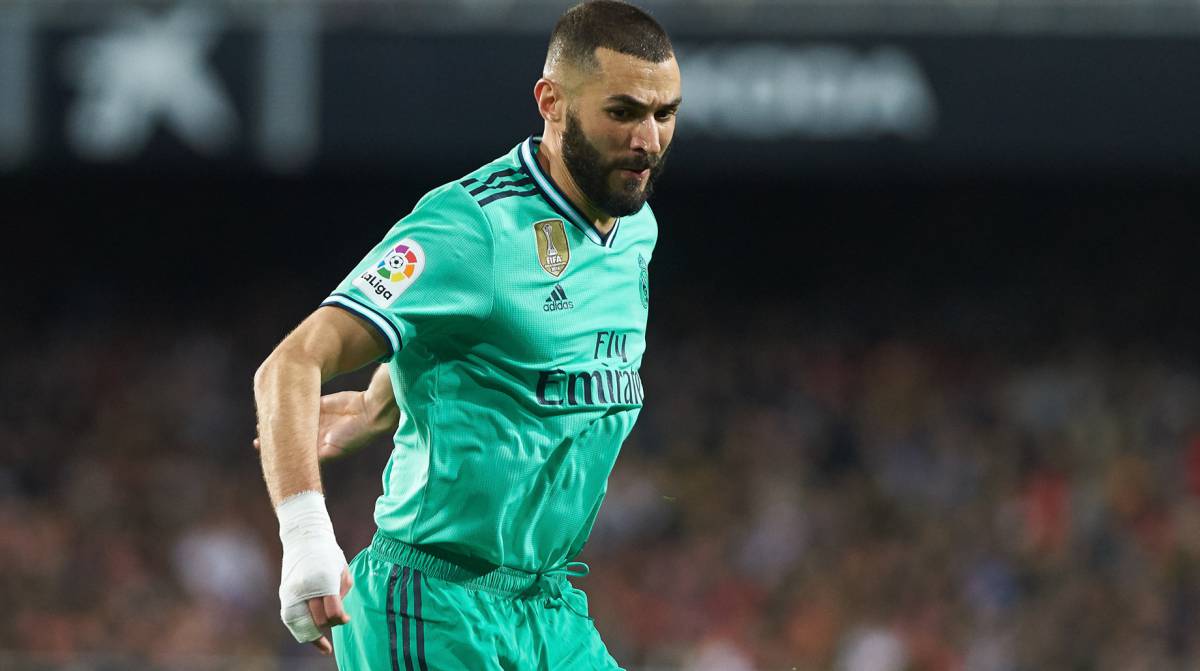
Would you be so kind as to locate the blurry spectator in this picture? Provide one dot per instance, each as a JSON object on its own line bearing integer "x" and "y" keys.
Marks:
{"x": 889, "y": 504}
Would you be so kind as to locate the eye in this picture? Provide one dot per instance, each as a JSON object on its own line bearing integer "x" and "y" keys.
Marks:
{"x": 619, "y": 113}
{"x": 664, "y": 115}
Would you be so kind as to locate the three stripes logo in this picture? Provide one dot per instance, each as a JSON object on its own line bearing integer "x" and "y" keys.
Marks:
{"x": 557, "y": 301}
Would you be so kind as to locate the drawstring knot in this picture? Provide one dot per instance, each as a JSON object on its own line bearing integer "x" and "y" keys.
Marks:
{"x": 550, "y": 582}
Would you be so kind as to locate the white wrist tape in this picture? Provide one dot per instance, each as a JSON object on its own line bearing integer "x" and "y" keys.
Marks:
{"x": 312, "y": 561}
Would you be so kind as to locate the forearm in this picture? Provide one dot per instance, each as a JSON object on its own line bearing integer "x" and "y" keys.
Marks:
{"x": 287, "y": 391}
{"x": 379, "y": 399}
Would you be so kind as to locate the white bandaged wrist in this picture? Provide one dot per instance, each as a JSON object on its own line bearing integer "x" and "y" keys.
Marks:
{"x": 312, "y": 560}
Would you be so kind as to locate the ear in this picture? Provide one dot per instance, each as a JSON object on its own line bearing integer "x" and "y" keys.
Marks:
{"x": 550, "y": 101}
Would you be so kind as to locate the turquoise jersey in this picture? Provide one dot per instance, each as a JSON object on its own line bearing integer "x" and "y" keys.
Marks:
{"x": 516, "y": 335}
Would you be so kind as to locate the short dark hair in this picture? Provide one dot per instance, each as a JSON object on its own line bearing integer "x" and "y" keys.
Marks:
{"x": 610, "y": 24}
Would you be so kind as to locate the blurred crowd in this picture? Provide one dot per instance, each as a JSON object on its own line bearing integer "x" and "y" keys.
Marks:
{"x": 796, "y": 495}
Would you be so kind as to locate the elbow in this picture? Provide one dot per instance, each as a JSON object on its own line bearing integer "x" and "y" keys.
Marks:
{"x": 263, "y": 375}
{"x": 288, "y": 361}
{"x": 269, "y": 369}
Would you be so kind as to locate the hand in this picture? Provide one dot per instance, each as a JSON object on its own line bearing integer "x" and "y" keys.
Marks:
{"x": 314, "y": 576}
{"x": 327, "y": 612}
{"x": 343, "y": 427}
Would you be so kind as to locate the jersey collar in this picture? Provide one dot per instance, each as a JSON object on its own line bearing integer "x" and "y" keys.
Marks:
{"x": 556, "y": 199}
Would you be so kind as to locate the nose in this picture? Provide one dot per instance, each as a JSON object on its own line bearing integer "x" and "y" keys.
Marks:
{"x": 647, "y": 137}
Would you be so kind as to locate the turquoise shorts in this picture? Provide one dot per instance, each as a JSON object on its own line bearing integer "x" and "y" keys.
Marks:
{"x": 412, "y": 610}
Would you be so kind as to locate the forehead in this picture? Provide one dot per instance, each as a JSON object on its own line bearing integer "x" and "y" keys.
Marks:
{"x": 622, "y": 74}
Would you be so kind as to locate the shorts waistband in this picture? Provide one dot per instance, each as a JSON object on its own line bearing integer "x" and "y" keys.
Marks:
{"x": 462, "y": 571}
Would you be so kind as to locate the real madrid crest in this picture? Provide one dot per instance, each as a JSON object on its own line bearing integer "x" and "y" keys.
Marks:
{"x": 554, "y": 252}
{"x": 644, "y": 281}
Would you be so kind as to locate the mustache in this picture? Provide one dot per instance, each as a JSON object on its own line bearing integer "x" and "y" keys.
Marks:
{"x": 639, "y": 162}
{"x": 648, "y": 163}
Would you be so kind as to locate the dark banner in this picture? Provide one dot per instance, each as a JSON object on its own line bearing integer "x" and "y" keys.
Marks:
{"x": 184, "y": 90}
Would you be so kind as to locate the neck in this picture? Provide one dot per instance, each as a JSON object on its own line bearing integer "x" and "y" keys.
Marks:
{"x": 550, "y": 159}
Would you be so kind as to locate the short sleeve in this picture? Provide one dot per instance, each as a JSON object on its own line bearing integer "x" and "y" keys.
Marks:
{"x": 432, "y": 272}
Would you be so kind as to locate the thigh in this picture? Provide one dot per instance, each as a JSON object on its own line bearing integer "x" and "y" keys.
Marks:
{"x": 566, "y": 638}
{"x": 402, "y": 620}
{"x": 364, "y": 643}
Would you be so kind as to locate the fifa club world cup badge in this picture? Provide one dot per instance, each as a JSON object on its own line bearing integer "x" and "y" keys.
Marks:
{"x": 644, "y": 281}
{"x": 554, "y": 252}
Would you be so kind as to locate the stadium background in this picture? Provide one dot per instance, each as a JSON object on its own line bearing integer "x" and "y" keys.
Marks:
{"x": 922, "y": 384}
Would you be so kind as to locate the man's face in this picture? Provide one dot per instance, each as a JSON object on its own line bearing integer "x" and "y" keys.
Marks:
{"x": 618, "y": 129}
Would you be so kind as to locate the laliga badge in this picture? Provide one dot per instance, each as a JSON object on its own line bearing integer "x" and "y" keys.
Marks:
{"x": 393, "y": 274}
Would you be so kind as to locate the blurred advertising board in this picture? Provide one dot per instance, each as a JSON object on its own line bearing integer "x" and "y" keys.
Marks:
{"x": 184, "y": 87}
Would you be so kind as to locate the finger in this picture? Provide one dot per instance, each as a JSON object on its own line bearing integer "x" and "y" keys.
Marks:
{"x": 327, "y": 447}
{"x": 316, "y": 608}
{"x": 257, "y": 444}
{"x": 333, "y": 610}
{"x": 323, "y": 645}
{"x": 347, "y": 582}
{"x": 326, "y": 453}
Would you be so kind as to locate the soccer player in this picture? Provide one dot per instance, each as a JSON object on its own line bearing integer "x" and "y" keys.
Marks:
{"x": 509, "y": 308}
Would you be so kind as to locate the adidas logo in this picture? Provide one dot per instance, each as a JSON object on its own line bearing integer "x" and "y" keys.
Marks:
{"x": 557, "y": 301}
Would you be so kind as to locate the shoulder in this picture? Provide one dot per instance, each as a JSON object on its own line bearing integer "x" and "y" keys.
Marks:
{"x": 493, "y": 186}
{"x": 450, "y": 201}
{"x": 501, "y": 172}
{"x": 467, "y": 198}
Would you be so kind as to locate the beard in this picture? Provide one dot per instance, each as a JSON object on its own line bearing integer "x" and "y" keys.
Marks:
{"x": 591, "y": 173}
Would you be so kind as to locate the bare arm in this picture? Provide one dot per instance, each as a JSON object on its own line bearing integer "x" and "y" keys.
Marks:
{"x": 287, "y": 391}
{"x": 351, "y": 419}
{"x": 379, "y": 400}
